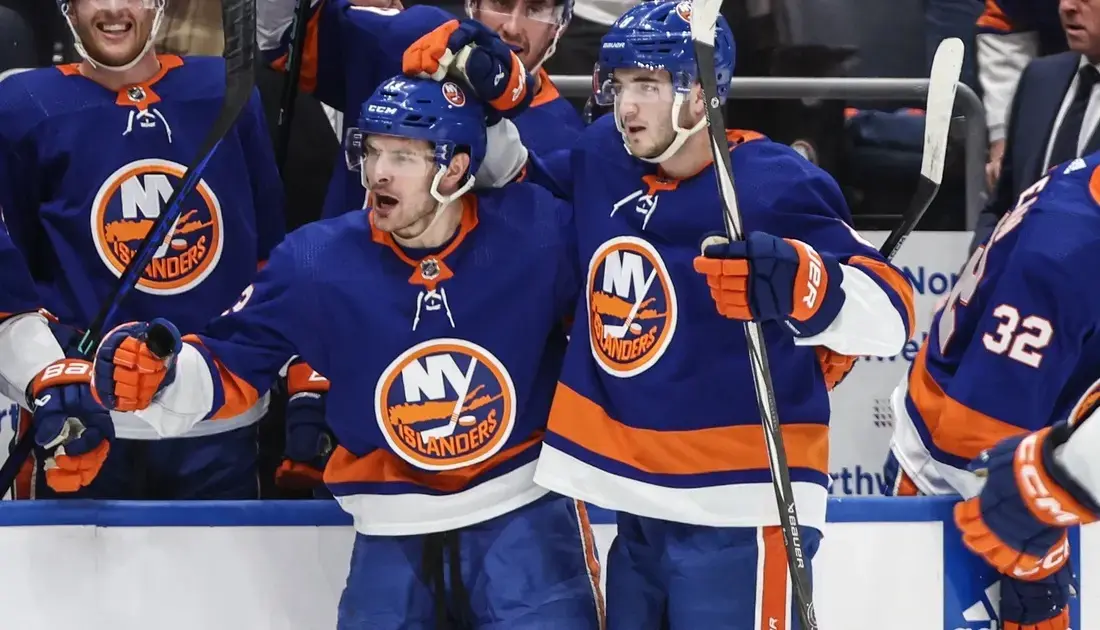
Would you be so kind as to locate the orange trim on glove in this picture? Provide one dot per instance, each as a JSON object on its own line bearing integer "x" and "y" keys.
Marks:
{"x": 61, "y": 373}
{"x": 981, "y": 540}
{"x": 1044, "y": 497}
{"x": 422, "y": 57}
{"x": 810, "y": 283}
{"x": 302, "y": 378}
{"x": 73, "y": 472}
{"x": 515, "y": 91}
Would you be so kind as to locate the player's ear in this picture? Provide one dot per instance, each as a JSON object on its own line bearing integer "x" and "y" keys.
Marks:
{"x": 456, "y": 171}
{"x": 697, "y": 104}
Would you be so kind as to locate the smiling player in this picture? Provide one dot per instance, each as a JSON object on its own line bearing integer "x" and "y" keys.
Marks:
{"x": 89, "y": 154}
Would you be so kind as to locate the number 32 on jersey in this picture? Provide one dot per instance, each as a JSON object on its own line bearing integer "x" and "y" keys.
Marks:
{"x": 1019, "y": 336}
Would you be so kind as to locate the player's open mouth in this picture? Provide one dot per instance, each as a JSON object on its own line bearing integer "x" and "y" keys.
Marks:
{"x": 384, "y": 202}
{"x": 633, "y": 129}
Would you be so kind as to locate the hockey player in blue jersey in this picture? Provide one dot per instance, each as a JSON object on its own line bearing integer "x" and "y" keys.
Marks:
{"x": 35, "y": 373}
{"x": 89, "y": 154}
{"x": 351, "y": 49}
{"x": 435, "y": 315}
{"x": 1012, "y": 349}
{"x": 655, "y": 414}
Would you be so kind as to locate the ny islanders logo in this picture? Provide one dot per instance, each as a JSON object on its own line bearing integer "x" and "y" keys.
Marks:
{"x": 124, "y": 211}
{"x": 445, "y": 404}
{"x": 631, "y": 306}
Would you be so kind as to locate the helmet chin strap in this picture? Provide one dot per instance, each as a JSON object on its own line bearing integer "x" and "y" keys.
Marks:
{"x": 682, "y": 134}
{"x": 83, "y": 52}
{"x": 442, "y": 201}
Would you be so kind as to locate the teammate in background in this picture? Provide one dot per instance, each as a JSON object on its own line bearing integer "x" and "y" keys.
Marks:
{"x": 655, "y": 414}
{"x": 1013, "y": 347}
{"x": 1036, "y": 486}
{"x": 351, "y": 49}
{"x": 89, "y": 154}
{"x": 459, "y": 394}
{"x": 534, "y": 27}
{"x": 35, "y": 373}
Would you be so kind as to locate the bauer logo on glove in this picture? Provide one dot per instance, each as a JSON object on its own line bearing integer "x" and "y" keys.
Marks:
{"x": 766, "y": 278}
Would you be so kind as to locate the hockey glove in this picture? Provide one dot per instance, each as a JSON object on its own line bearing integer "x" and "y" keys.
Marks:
{"x": 834, "y": 366}
{"x": 127, "y": 373}
{"x": 72, "y": 428}
{"x": 309, "y": 442}
{"x": 766, "y": 278}
{"x": 471, "y": 52}
{"x": 1017, "y": 524}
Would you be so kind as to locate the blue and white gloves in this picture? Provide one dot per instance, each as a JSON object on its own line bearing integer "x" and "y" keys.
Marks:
{"x": 1017, "y": 524}
{"x": 468, "y": 50}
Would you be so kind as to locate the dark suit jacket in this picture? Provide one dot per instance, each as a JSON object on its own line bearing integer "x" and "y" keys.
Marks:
{"x": 1038, "y": 98}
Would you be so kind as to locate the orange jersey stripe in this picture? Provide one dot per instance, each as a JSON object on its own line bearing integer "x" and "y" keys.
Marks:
{"x": 954, "y": 427}
{"x": 307, "y": 81}
{"x": 546, "y": 91}
{"x": 994, "y": 18}
{"x": 238, "y": 395}
{"x": 717, "y": 449}
{"x": 382, "y": 466}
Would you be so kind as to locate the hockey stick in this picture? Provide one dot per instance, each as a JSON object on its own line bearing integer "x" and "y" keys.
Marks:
{"x": 943, "y": 82}
{"x": 289, "y": 99}
{"x": 704, "y": 17}
{"x": 239, "y": 26}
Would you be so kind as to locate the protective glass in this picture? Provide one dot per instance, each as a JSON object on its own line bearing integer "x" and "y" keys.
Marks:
{"x": 360, "y": 154}
{"x": 541, "y": 11}
{"x": 117, "y": 5}
{"x": 608, "y": 90}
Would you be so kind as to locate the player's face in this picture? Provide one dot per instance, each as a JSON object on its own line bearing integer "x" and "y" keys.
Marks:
{"x": 643, "y": 103}
{"x": 529, "y": 25}
{"x": 1081, "y": 22}
{"x": 399, "y": 172}
{"x": 113, "y": 32}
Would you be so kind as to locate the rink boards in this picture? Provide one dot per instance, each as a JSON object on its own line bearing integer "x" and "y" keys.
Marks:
{"x": 280, "y": 565}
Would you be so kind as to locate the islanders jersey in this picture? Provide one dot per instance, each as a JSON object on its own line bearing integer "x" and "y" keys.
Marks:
{"x": 655, "y": 413}
{"x": 350, "y": 50}
{"x": 1015, "y": 344}
{"x": 85, "y": 171}
{"x": 442, "y": 364}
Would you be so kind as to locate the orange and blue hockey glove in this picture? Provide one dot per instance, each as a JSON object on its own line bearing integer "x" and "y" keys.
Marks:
{"x": 309, "y": 442}
{"x": 834, "y": 366}
{"x": 770, "y": 279}
{"x": 1017, "y": 524}
{"x": 127, "y": 373}
{"x": 478, "y": 57}
{"x": 71, "y": 429}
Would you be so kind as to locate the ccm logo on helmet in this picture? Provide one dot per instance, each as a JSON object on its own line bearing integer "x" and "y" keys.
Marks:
{"x": 381, "y": 109}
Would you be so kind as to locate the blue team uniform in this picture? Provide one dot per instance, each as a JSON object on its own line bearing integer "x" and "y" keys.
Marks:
{"x": 655, "y": 413}
{"x": 442, "y": 365}
{"x": 350, "y": 50}
{"x": 84, "y": 172}
{"x": 1014, "y": 346}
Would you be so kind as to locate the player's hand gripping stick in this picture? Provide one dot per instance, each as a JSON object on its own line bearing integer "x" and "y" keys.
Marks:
{"x": 134, "y": 363}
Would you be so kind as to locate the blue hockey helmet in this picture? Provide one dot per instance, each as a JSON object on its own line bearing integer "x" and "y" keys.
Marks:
{"x": 422, "y": 109}
{"x": 657, "y": 36}
{"x": 555, "y": 12}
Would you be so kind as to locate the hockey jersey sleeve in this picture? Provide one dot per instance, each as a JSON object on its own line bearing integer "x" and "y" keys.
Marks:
{"x": 267, "y": 187}
{"x": 1006, "y": 43}
{"x": 344, "y": 42}
{"x": 1025, "y": 346}
{"x": 222, "y": 371}
{"x": 789, "y": 197}
{"x": 27, "y": 345}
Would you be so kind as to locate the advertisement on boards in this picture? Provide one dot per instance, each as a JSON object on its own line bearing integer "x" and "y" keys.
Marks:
{"x": 862, "y": 421}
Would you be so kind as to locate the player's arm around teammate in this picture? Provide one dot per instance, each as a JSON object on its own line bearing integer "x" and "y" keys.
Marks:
{"x": 437, "y": 397}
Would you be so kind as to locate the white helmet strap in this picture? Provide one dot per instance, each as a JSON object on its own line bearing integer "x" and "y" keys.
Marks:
{"x": 682, "y": 134}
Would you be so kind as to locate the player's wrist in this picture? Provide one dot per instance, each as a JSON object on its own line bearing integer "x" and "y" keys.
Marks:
{"x": 1069, "y": 459}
